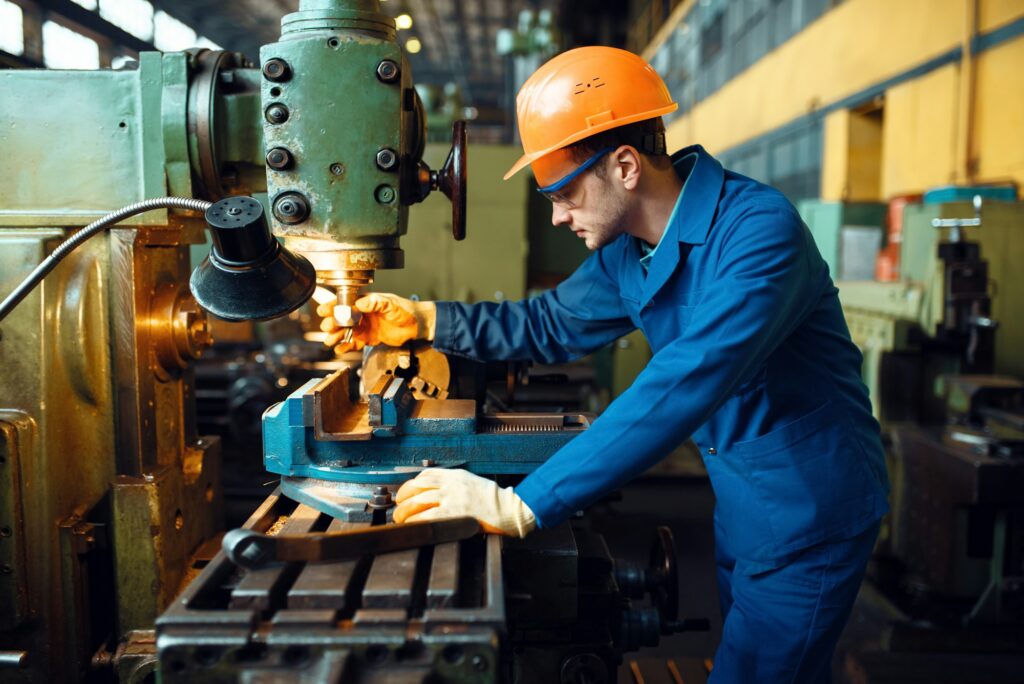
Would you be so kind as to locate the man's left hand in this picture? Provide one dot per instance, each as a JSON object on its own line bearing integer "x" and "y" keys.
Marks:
{"x": 439, "y": 493}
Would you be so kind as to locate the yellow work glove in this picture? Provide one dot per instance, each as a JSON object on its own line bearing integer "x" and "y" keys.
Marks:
{"x": 439, "y": 493}
{"x": 386, "y": 319}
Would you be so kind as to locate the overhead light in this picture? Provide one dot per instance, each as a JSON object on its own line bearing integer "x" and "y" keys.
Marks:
{"x": 403, "y": 22}
{"x": 413, "y": 45}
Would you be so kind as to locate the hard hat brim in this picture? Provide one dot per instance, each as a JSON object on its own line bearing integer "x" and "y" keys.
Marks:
{"x": 600, "y": 128}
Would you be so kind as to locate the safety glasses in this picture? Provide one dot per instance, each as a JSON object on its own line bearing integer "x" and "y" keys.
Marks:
{"x": 556, "y": 192}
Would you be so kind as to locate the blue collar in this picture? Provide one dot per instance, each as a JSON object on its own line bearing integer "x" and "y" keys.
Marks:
{"x": 691, "y": 218}
{"x": 695, "y": 208}
{"x": 684, "y": 166}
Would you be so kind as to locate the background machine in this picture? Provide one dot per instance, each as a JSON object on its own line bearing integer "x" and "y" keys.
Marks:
{"x": 110, "y": 503}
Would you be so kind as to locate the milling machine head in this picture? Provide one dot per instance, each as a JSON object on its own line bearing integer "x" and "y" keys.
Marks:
{"x": 345, "y": 132}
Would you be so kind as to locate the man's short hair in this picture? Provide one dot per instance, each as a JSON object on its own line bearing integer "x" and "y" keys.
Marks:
{"x": 647, "y": 136}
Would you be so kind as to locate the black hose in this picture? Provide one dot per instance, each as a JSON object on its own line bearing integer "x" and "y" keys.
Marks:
{"x": 66, "y": 247}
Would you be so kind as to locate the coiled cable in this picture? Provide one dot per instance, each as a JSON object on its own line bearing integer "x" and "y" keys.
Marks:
{"x": 66, "y": 247}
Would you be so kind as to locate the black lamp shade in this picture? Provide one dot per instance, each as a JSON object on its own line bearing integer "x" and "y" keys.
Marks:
{"x": 249, "y": 275}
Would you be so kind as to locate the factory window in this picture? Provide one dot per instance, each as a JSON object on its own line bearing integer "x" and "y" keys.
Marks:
{"x": 134, "y": 16}
{"x": 12, "y": 39}
{"x": 65, "y": 49}
{"x": 169, "y": 34}
{"x": 711, "y": 38}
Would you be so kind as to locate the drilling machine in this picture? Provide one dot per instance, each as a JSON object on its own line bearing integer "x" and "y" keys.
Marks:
{"x": 109, "y": 501}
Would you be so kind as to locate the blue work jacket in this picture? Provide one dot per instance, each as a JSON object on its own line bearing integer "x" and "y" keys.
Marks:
{"x": 752, "y": 359}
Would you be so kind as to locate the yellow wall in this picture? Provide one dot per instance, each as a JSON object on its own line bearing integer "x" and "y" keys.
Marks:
{"x": 919, "y": 140}
{"x": 856, "y": 46}
{"x": 999, "y": 112}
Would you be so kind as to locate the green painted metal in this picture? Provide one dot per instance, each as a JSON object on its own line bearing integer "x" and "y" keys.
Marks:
{"x": 1002, "y": 226}
{"x": 826, "y": 221}
{"x": 78, "y": 144}
{"x": 340, "y": 114}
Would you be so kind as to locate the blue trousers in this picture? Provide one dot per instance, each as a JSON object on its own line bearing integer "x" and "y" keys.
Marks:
{"x": 782, "y": 625}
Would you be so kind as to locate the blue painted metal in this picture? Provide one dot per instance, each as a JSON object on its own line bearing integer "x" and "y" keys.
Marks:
{"x": 393, "y": 447}
{"x": 956, "y": 193}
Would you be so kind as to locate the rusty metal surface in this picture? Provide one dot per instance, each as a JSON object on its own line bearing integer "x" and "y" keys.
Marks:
{"x": 81, "y": 367}
{"x": 370, "y": 615}
{"x": 335, "y": 416}
{"x": 16, "y": 435}
{"x": 324, "y": 585}
{"x": 262, "y": 588}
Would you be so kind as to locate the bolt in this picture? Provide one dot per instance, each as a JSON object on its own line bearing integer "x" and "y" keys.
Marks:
{"x": 6, "y": 569}
{"x": 385, "y": 194}
{"x": 337, "y": 169}
{"x": 479, "y": 663}
{"x": 387, "y": 159}
{"x": 387, "y": 71}
{"x": 277, "y": 70}
{"x": 291, "y": 208}
{"x": 5, "y": 531}
{"x": 235, "y": 211}
{"x": 381, "y": 497}
{"x": 279, "y": 158}
{"x": 276, "y": 113}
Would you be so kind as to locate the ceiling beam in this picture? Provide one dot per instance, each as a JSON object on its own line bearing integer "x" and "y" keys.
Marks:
{"x": 92, "y": 22}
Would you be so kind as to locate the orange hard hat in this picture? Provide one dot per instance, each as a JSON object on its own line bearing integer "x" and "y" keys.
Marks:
{"x": 583, "y": 92}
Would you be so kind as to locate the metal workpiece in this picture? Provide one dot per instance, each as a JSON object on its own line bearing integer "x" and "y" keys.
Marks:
{"x": 428, "y": 371}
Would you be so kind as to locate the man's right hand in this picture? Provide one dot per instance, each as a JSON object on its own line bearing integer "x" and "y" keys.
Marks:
{"x": 386, "y": 319}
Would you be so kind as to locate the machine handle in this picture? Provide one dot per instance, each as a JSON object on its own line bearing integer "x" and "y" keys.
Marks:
{"x": 252, "y": 550}
{"x": 451, "y": 179}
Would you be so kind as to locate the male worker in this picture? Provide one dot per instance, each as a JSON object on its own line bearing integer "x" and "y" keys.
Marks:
{"x": 752, "y": 359}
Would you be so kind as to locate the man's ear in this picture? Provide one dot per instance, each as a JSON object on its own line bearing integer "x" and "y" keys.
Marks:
{"x": 627, "y": 167}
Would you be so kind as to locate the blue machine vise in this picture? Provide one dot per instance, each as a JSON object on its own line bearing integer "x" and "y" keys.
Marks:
{"x": 331, "y": 451}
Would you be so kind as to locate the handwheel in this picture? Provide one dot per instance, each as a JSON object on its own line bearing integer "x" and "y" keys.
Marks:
{"x": 663, "y": 576}
{"x": 451, "y": 179}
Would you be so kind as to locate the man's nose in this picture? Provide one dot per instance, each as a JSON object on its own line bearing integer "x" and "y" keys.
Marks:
{"x": 560, "y": 216}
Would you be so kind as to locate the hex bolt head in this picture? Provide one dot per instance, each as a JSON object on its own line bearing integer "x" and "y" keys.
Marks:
{"x": 279, "y": 158}
{"x": 276, "y": 113}
{"x": 277, "y": 70}
{"x": 381, "y": 498}
{"x": 388, "y": 71}
{"x": 291, "y": 208}
{"x": 387, "y": 159}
